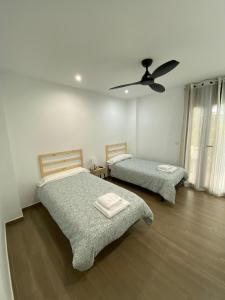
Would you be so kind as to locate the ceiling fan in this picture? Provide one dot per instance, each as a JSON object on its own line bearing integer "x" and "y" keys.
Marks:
{"x": 149, "y": 78}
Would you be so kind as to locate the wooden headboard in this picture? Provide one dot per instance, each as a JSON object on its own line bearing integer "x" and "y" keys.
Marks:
{"x": 114, "y": 150}
{"x": 52, "y": 163}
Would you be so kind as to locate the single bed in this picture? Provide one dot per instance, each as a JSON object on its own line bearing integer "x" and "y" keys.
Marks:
{"x": 144, "y": 173}
{"x": 69, "y": 196}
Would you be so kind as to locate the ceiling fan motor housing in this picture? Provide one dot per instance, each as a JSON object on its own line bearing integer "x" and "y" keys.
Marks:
{"x": 147, "y": 78}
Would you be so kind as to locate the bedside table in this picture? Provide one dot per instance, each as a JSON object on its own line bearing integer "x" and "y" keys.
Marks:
{"x": 100, "y": 172}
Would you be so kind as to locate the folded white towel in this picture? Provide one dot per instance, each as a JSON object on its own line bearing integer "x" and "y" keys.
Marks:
{"x": 167, "y": 168}
{"x": 109, "y": 200}
{"x": 117, "y": 208}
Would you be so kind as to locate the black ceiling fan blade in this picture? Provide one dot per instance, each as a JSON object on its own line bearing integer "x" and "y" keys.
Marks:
{"x": 157, "y": 87}
{"x": 124, "y": 85}
{"x": 165, "y": 68}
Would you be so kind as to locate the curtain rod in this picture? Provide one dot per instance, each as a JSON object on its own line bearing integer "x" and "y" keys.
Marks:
{"x": 199, "y": 82}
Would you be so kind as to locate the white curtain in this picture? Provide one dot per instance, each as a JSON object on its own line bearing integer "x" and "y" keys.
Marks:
{"x": 217, "y": 176}
{"x": 203, "y": 138}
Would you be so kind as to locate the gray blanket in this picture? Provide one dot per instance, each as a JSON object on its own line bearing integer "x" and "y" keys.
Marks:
{"x": 144, "y": 173}
{"x": 70, "y": 202}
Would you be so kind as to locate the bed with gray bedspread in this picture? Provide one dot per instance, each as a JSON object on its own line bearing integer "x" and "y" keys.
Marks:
{"x": 144, "y": 173}
{"x": 70, "y": 203}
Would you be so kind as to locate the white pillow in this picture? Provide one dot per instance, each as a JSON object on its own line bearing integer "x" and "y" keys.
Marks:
{"x": 61, "y": 175}
{"x": 118, "y": 158}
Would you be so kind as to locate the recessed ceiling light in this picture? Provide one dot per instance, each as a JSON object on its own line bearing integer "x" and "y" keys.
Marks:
{"x": 78, "y": 77}
{"x": 126, "y": 91}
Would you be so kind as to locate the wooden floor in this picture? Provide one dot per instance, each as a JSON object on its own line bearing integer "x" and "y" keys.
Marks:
{"x": 180, "y": 256}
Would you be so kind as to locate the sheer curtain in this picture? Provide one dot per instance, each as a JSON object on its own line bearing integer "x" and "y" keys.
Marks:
{"x": 217, "y": 176}
{"x": 203, "y": 138}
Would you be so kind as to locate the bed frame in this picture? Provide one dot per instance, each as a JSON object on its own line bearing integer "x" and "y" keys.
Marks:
{"x": 56, "y": 162}
{"x": 114, "y": 150}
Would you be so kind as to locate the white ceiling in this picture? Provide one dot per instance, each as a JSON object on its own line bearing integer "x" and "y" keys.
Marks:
{"x": 105, "y": 40}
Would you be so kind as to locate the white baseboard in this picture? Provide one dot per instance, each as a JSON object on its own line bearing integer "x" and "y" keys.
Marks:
{"x": 7, "y": 254}
{"x": 17, "y": 218}
{"x": 7, "y": 263}
{"x": 30, "y": 205}
{"x": 6, "y": 249}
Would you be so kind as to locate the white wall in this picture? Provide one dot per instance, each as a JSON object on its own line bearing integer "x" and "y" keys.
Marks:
{"x": 131, "y": 126}
{"x": 9, "y": 204}
{"x": 9, "y": 198}
{"x": 45, "y": 117}
{"x": 159, "y": 124}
